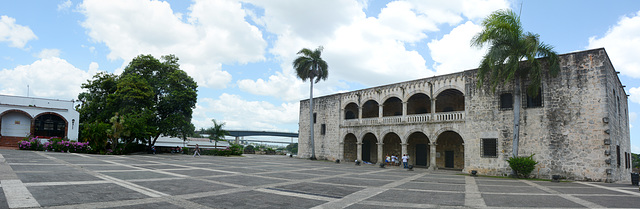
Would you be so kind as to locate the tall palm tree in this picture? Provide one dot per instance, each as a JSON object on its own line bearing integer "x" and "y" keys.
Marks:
{"x": 216, "y": 132}
{"x": 512, "y": 56}
{"x": 309, "y": 65}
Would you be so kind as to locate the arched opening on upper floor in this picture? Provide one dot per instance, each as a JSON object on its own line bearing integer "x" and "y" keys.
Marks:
{"x": 392, "y": 107}
{"x": 392, "y": 145}
{"x": 50, "y": 125}
{"x": 450, "y": 145}
{"x": 350, "y": 148}
{"x": 15, "y": 123}
{"x": 370, "y": 148}
{"x": 418, "y": 104}
{"x": 351, "y": 111}
{"x": 370, "y": 109}
{"x": 450, "y": 100}
{"x": 418, "y": 149}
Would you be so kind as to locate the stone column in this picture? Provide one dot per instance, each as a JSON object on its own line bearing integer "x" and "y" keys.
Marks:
{"x": 404, "y": 148}
{"x": 433, "y": 108}
{"x": 341, "y": 116}
{"x": 360, "y": 114}
{"x": 359, "y": 150}
{"x": 432, "y": 154}
{"x": 380, "y": 113}
{"x": 404, "y": 111}
{"x": 380, "y": 156}
{"x": 341, "y": 152}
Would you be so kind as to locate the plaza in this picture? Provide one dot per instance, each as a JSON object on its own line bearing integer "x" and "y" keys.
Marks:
{"x": 69, "y": 180}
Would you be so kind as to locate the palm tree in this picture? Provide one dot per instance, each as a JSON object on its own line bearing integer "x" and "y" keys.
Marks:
{"x": 309, "y": 65}
{"x": 512, "y": 56}
{"x": 216, "y": 132}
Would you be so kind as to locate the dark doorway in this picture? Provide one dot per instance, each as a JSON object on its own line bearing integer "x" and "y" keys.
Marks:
{"x": 421, "y": 154}
{"x": 366, "y": 151}
{"x": 50, "y": 125}
{"x": 448, "y": 159}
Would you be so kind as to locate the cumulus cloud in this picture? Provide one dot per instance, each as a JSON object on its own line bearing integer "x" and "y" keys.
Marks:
{"x": 622, "y": 42}
{"x": 238, "y": 113}
{"x": 64, "y": 5}
{"x": 48, "y": 53}
{"x": 16, "y": 35}
{"x": 211, "y": 34}
{"x": 49, "y": 77}
{"x": 453, "y": 52}
{"x": 634, "y": 94}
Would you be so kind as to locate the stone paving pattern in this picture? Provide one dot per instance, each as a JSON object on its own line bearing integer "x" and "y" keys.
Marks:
{"x": 69, "y": 180}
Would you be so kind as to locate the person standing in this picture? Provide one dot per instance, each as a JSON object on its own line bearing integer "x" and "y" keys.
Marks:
{"x": 405, "y": 160}
{"x": 196, "y": 151}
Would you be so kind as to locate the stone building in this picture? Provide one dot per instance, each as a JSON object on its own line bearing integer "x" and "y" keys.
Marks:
{"x": 28, "y": 116}
{"x": 577, "y": 126}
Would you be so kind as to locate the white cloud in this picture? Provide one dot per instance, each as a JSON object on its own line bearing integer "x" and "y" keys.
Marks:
{"x": 634, "y": 94}
{"x": 50, "y": 77}
{"x": 453, "y": 52}
{"x": 622, "y": 42}
{"x": 215, "y": 32}
{"x": 48, "y": 53}
{"x": 16, "y": 35}
{"x": 238, "y": 113}
{"x": 64, "y": 5}
{"x": 632, "y": 117}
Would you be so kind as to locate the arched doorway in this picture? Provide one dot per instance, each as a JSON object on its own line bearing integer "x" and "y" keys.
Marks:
{"x": 418, "y": 149}
{"x": 50, "y": 125}
{"x": 450, "y": 100}
{"x": 351, "y": 111}
{"x": 15, "y": 123}
{"x": 350, "y": 148}
{"x": 451, "y": 150}
{"x": 370, "y": 148}
{"x": 392, "y": 107}
{"x": 392, "y": 145}
{"x": 418, "y": 104}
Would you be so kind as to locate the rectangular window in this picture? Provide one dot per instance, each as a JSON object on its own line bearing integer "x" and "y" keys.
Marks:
{"x": 17, "y": 122}
{"x": 489, "y": 147}
{"x": 534, "y": 101}
{"x": 618, "y": 152}
{"x": 506, "y": 101}
{"x": 323, "y": 129}
{"x": 314, "y": 118}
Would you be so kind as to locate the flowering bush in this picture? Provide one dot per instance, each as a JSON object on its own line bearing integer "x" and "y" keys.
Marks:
{"x": 53, "y": 144}
{"x": 30, "y": 144}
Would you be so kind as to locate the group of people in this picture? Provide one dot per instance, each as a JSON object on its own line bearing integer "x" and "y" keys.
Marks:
{"x": 394, "y": 160}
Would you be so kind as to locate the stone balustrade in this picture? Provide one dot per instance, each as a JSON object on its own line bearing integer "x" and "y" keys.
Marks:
{"x": 417, "y": 118}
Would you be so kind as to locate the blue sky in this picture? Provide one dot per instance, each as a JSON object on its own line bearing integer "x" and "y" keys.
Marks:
{"x": 240, "y": 52}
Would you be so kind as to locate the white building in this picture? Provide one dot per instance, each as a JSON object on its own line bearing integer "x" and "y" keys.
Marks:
{"x": 28, "y": 116}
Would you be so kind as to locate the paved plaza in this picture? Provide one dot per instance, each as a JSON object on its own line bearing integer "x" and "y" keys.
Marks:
{"x": 69, "y": 180}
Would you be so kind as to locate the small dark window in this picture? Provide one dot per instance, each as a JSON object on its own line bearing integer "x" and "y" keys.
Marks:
{"x": 349, "y": 115}
{"x": 489, "y": 147}
{"x": 323, "y": 129}
{"x": 314, "y": 118}
{"x": 618, "y": 152}
{"x": 534, "y": 101}
{"x": 506, "y": 100}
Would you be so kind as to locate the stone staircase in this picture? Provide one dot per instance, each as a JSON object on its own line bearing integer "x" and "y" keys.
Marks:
{"x": 9, "y": 142}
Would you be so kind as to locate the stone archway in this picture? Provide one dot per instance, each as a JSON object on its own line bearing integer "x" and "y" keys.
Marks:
{"x": 15, "y": 123}
{"x": 450, "y": 150}
{"x": 450, "y": 100}
{"x": 419, "y": 149}
{"x": 350, "y": 148}
{"x": 392, "y": 145}
{"x": 370, "y": 148}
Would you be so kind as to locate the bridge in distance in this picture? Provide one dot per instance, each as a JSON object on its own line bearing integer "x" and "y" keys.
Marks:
{"x": 242, "y": 133}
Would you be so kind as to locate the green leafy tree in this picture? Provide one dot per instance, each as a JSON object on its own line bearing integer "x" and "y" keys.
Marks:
{"x": 94, "y": 102}
{"x": 217, "y": 132}
{"x": 292, "y": 148}
{"x": 511, "y": 57}
{"x": 635, "y": 161}
{"x": 310, "y": 65}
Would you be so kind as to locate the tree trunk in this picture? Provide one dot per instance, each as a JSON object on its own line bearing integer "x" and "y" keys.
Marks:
{"x": 516, "y": 116}
{"x": 313, "y": 147}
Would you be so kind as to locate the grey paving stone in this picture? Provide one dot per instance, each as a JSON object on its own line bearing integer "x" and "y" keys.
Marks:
{"x": 365, "y": 206}
{"x": 3, "y": 200}
{"x": 255, "y": 199}
{"x": 244, "y": 170}
{"x": 42, "y": 167}
{"x": 505, "y": 182}
{"x": 510, "y": 189}
{"x": 432, "y": 186}
{"x": 245, "y": 180}
{"x": 290, "y": 175}
{"x": 355, "y": 181}
{"x": 588, "y": 190}
{"x": 159, "y": 166}
{"x": 626, "y": 201}
{"x": 436, "y": 198}
{"x": 56, "y": 176}
{"x": 129, "y": 175}
{"x": 76, "y": 194}
{"x": 159, "y": 205}
{"x": 322, "y": 172}
{"x": 182, "y": 186}
{"x": 459, "y": 181}
{"x": 528, "y": 200}
{"x": 319, "y": 189}
{"x": 106, "y": 167}
{"x": 197, "y": 172}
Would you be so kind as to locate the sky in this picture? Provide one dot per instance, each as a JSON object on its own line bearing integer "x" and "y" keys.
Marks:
{"x": 240, "y": 52}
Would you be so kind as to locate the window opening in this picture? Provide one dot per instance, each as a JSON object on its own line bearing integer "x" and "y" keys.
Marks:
{"x": 323, "y": 129}
{"x": 314, "y": 118}
{"x": 506, "y": 100}
{"x": 534, "y": 101}
{"x": 489, "y": 147}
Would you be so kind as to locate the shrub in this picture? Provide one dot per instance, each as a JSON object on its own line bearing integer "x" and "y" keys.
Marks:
{"x": 522, "y": 166}
{"x": 236, "y": 149}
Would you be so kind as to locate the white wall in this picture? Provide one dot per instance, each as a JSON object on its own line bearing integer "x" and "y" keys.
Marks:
{"x": 15, "y": 124}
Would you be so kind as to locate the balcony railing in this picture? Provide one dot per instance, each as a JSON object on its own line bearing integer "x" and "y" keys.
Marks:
{"x": 417, "y": 118}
